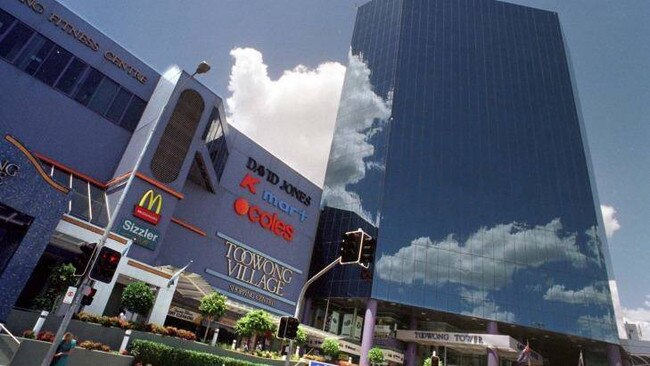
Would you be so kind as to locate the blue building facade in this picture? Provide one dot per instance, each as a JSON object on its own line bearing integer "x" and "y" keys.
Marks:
{"x": 471, "y": 165}
{"x": 203, "y": 198}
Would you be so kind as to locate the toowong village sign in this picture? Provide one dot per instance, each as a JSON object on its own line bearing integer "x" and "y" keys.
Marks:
{"x": 253, "y": 274}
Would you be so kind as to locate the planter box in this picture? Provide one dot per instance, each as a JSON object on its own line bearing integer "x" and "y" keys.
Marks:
{"x": 31, "y": 352}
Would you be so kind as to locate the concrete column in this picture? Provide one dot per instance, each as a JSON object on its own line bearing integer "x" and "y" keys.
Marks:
{"x": 161, "y": 306}
{"x": 411, "y": 347}
{"x": 368, "y": 331}
{"x": 492, "y": 355}
{"x": 614, "y": 355}
{"x": 306, "y": 312}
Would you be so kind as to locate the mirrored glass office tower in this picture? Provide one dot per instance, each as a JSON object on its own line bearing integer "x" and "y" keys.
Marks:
{"x": 459, "y": 143}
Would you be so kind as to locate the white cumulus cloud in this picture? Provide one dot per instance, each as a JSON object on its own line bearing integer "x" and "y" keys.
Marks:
{"x": 511, "y": 243}
{"x": 586, "y": 295}
{"x": 610, "y": 220}
{"x": 292, "y": 117}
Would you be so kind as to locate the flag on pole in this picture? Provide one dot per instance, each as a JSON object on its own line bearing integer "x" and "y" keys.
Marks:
{"x": 524, "y": 357}
{"x": 173, "y": 279}
{"x": 581, "y": 361}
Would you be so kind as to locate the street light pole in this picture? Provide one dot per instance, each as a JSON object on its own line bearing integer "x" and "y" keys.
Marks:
{"x": 202, "y": 68}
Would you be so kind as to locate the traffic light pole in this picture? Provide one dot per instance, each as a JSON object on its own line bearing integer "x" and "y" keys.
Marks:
{"x": 85, "y": 280}
{"x": 301, "y": 298}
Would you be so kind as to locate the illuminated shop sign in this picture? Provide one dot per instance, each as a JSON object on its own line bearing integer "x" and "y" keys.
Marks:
{"x": 7, "y": 169}
{"x": 149, "y": 207}
{"x": 274, "y": 179}
{"x": 78, "y": 34}
{"x": 250, "y": 182}
{"x": 268, "y": 221}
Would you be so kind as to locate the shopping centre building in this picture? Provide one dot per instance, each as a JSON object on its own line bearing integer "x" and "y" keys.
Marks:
{"x": 459, "y": 146}
{"x": 79, "y": 116}
{"x": 471, "y": 169}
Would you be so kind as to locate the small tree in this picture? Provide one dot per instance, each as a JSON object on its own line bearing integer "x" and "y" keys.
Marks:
{"x": 253, "y": 324}
{"x": 376, "y": 356}
{"x": 213, "y": 306}
{"x": 330, "y": 347}
{"x": 301, "y": 337}
{"x": 138, "y": 298}
{"x": 58, "y": 281}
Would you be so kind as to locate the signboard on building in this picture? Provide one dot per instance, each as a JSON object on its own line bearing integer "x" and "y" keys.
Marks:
{"x": 148, "y": 209}
{"x": 181, "y": 313}
{"x": 140, "y": 233}
{"x": 347, "y": 325}
{"x": 7, "y": 170}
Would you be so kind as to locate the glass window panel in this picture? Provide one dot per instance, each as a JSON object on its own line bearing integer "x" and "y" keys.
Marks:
{"x": 5, "y": 21}
{"x": 34, "y": 54}
{"x": 79, "y": 199}
{"x": 88, "y": 86}
{"x": 71, "y": 75}
{"x": 103, "y": 96}
{"x": 119, "y": 105}
{"x": 133, "y": 114}
{"x": 61, "y": 177}
{"x": 14, "y": 41}
{"x": 98, "y": 206}
{"x": 53, "y": 66}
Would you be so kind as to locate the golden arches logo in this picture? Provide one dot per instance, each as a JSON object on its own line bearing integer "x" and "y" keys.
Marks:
{"x": 154, "y": 200}
{"x": 149, "y": 207}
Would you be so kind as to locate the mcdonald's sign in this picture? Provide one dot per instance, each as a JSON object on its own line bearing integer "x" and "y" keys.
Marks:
{"x": 149, "y": 207}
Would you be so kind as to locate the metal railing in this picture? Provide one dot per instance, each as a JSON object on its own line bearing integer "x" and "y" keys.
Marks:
{"x": 3, "y": 328}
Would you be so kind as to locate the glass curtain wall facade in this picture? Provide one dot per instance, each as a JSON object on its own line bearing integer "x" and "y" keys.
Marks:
{"x": 458, "y": 137}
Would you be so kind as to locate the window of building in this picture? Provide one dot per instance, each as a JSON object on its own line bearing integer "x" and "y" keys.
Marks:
{"x": 14, "y": 41}
{"x": 53, "y": 66}
{"x": 71, "y": 76}
{"x": 87, "y": 201}
{"x": 103, "y": 96}
{"x": 88, "y": 86}
{"x": 133, "y": 114}
{"x": 215, "y": 141}
{"x": 34, "y": 54}
{"x": 119, "y": 105}
{"x": 6, "y": 20}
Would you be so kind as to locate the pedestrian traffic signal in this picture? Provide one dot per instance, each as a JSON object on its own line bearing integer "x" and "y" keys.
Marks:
{"x": 292, "y": 328}
{"x": 351, "y": 246}
{"x": 105, "y": 265}
{"x": 82, "y": 260}
{"x": 368, "y": 250}
{"x": 87, "y": 299}
{"x": 288, "y": 328}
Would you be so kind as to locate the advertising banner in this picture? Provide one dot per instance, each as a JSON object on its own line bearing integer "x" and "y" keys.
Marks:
{"x": 348, "y": 324}
{"x": 358, "y": 324}
{"x": 334, "y": 322}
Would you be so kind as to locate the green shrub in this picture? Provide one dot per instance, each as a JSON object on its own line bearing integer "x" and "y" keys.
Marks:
{"x": 330, "y": 347}
{"x": 376, "y": 356}
{"x": 162, "y": 355}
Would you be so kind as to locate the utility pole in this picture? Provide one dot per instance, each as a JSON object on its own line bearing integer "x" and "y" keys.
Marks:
{"x": 85, "y": 280}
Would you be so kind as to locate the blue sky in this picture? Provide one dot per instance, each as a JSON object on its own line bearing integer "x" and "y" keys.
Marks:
{"x": 607, "y": 40}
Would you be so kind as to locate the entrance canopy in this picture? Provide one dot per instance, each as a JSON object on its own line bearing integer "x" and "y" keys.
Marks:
{"x": 470, "y": 343}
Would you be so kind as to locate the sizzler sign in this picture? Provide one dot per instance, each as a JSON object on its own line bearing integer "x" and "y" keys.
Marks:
{"x": 150, "y": 213}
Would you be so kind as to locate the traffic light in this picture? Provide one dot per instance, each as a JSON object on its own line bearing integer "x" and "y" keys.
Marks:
{"x": 87, "y": 299}
{"x": 105, "y": 265}
{"x": 350, "y": 246}
{"x": 83, "y": 259}
{"x": 368, "y": 250}
{"x": 291, "y": 331}
{"x": 282, "y": 328}
{"x": 288, "y": 327}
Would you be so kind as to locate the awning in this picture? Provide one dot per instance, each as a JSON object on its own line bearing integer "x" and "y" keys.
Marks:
{"x": 470, "y": 343}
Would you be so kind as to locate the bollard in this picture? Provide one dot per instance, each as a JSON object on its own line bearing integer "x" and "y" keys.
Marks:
{"x": 125, "y": 340}
{"x": 40, "y": 322}
{"x": 234, "y": 344}
{"x": 214, "y": 337}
